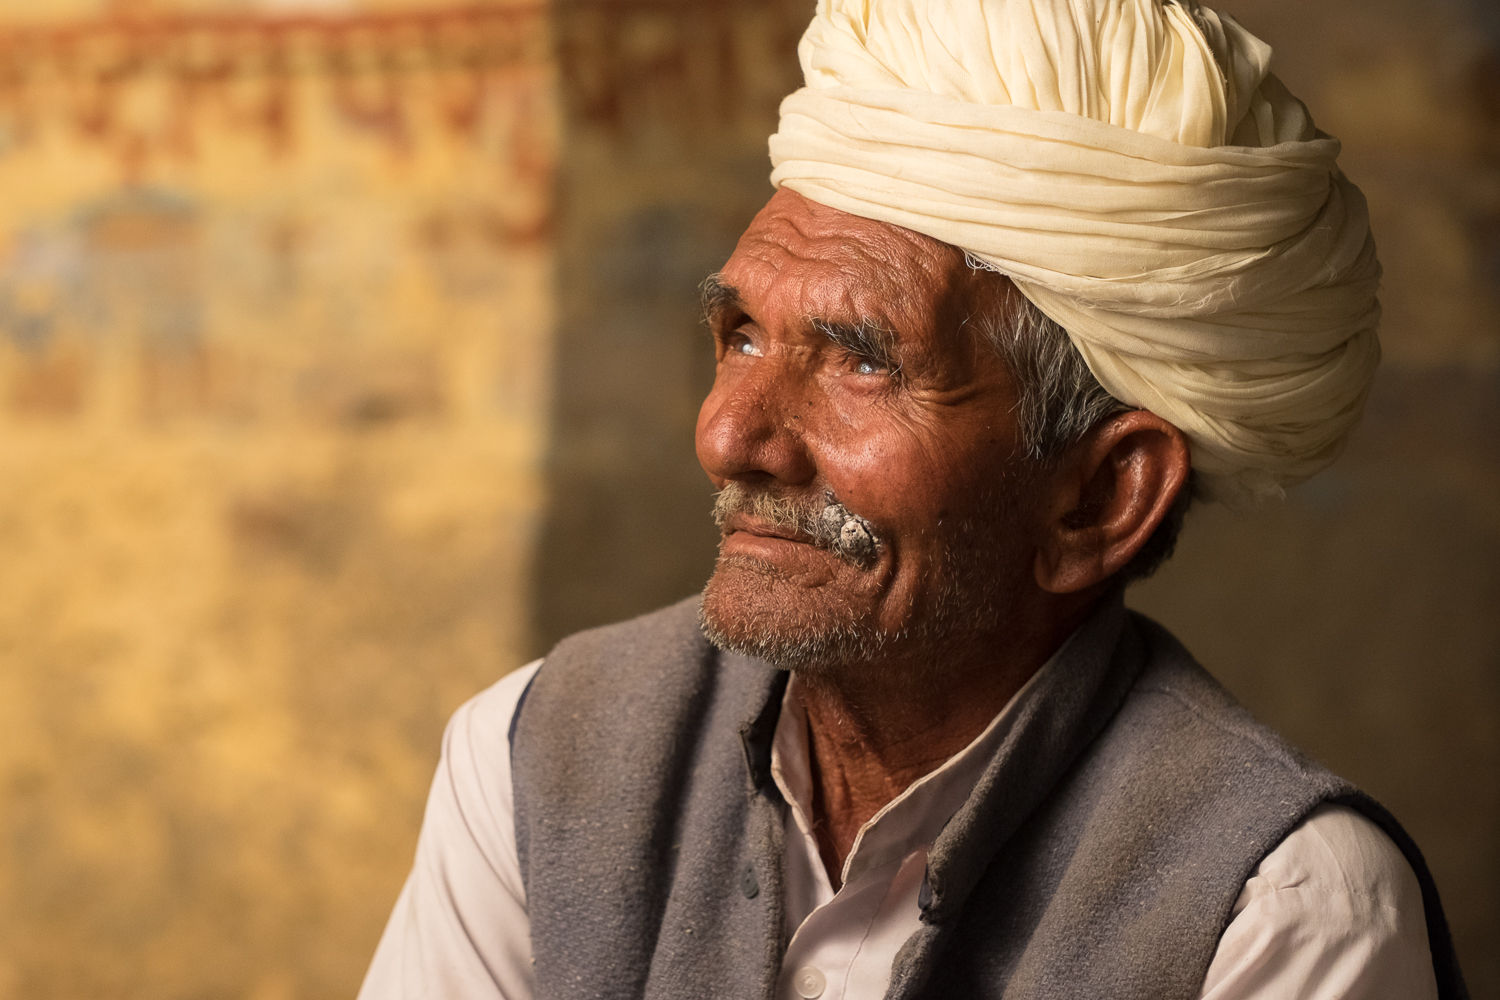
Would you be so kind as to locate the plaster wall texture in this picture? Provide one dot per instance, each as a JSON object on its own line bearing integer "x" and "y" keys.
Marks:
{"x": 275, "y": 321}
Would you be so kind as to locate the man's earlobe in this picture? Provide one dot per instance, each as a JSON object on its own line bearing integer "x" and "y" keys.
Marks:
{"x": 1109, "y": 493}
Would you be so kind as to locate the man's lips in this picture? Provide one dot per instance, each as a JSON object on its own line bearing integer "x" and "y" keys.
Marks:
{"x": 747, "y": 525}
{"x": 751, "y": 521}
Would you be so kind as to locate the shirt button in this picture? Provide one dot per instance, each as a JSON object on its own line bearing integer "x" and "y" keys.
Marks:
{"x": 809, "y": 983}
{"x": 749, "y": 884}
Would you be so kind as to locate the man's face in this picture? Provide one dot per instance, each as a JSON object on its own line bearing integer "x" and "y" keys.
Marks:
{"x": 852, "y": 391}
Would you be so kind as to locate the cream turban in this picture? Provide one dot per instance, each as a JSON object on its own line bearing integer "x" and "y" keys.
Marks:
{"x": 1142, "y": 178}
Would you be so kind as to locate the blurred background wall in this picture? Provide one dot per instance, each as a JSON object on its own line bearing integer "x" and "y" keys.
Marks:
{"x": 276, "y": 306}
{"x": 349, "y": 356}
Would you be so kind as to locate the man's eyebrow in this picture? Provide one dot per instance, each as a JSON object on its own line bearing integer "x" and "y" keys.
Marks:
{"x": 718, "y": 297}
{"x": 866, "y": 338}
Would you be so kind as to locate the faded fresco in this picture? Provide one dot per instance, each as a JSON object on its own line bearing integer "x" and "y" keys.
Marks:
{"x": 275, "y": 318}
{"x": 349, "y": 356}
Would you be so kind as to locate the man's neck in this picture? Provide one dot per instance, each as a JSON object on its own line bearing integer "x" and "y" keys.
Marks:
{"x": 873, "y": 733}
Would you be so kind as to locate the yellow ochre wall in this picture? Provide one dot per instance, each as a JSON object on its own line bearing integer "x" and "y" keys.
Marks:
{"x": 275, "y": 308}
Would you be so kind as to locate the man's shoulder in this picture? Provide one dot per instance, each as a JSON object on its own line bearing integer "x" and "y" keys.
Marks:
{"x": 1179, "y": 700}
{"x": 644, "y": 678}
{"x": 1225, "y": 765}
{"x": 1181, "y": 762}
{"x": 652, "y": 656}
{"x": 618, "y": 725}
{"x": 666, "y": 633}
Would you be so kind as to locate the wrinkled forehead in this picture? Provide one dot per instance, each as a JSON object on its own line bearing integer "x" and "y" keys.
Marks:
{"x": 836, "y": 264}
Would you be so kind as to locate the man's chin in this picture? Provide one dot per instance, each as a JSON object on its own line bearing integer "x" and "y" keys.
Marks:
{"x": 752, "y": 608}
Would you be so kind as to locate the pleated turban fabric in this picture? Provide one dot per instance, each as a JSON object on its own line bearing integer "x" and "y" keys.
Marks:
{"x": 1142, "y": 178}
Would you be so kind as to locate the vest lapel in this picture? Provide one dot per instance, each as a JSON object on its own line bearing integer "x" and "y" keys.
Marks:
{"x": 1080, "y": 691}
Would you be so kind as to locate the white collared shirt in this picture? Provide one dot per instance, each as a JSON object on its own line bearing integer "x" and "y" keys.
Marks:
{"x": 1333, "y": 912}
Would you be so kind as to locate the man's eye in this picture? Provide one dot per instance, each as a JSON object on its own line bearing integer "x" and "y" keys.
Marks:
{"x": 736, "y": 342}
{"x": 863, "y": 364}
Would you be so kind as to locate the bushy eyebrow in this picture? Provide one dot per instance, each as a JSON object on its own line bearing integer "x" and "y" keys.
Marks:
{"x": 718, "y": 297}
{"x": 865, "y": 338}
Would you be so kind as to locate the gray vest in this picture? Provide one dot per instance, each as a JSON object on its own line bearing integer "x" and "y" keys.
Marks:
{"x": 1099, "y": 856}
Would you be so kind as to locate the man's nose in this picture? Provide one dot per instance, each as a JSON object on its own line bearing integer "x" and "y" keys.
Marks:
{"x": 755, "y": 423}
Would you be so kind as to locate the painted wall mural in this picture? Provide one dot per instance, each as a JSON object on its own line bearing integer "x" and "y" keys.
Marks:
{"x": 275, "y": 312}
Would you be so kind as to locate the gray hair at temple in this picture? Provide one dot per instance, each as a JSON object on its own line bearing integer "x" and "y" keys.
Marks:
{"x": 1058, "y": 401}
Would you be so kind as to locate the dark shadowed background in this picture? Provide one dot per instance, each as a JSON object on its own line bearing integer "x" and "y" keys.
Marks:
{"x": 349, "y": 356}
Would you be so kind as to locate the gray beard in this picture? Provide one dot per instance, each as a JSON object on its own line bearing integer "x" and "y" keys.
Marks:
{"x": 752, "y": 608}
{"x": 791, "y": 642}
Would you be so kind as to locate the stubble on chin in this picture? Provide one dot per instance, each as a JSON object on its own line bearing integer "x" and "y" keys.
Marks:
{"x": 827, "y": 629}
{"x": 753, "y": 608}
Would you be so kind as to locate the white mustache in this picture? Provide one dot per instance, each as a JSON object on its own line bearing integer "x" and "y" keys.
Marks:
{"x": 829, "y": 524}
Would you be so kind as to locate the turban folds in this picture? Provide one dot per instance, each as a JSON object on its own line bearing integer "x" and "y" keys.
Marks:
{"x": 1141, "y": 177}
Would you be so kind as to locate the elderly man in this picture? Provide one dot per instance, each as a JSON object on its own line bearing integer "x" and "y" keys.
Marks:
{"x": 1035, "y": 271}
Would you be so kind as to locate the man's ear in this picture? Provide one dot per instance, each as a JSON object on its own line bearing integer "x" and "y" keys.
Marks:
{"x": 1108, "y": 494}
